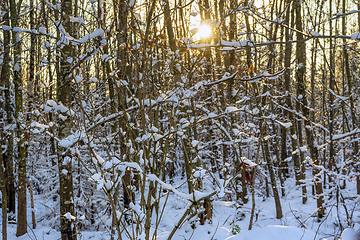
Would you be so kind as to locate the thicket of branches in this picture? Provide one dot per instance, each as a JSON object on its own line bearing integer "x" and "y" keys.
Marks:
{"x": 105, "y": 103}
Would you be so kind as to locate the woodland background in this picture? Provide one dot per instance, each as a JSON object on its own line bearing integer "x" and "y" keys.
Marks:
{"x": 108, "y": 108}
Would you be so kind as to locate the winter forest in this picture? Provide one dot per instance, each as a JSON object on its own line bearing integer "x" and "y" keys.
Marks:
{"x": 180, "y": 119}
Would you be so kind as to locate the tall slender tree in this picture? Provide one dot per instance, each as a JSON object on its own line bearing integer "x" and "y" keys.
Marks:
{"x": 19, "y": 119}
{"x": 4, "y": 74}
{"x": 6, "y": 82}
{"x": 64, "y": 96}
{"x": 302, "y": 97}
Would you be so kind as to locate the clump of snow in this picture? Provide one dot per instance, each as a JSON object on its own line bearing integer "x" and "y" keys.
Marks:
{"x": 313, "y": 33}
{"x": 78, "y": 79}
{"x": 248, "y": 162}
{"x": 6, "y": 27}
{"x": 42, "y": 30}
{"x": 131, "y": 3}
{"x": 244, "y": 43}
{"x": 79, "y": 20}
{"x": 355, "y": 36}
{"x": 99, "y": 32}
{"x": 231, "y": 109}
{"x": 350, "y": 234}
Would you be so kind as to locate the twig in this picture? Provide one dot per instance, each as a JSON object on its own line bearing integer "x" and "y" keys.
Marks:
{"x": 215, "y": 231}
{"x": 327, "y": 215}
{"x": 297, "y": 218}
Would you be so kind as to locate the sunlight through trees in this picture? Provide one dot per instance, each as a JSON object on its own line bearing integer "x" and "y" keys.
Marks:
{"x": 115, "y": 115}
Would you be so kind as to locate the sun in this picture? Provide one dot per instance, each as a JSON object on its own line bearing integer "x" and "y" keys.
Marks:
{"x": 203, "y": 31}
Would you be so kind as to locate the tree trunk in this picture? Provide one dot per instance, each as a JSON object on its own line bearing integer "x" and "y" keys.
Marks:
{"x": 8, "y": 156}
{"x": 169, "y": 27}
{"x": 301, "y": 93}
{"x": 19, "y": 118}
{"x": 64, "y": 96}
{"x": 3, "y": 194}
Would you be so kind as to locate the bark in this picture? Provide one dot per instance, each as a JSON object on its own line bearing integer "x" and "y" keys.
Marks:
{"x": 128, "y": 194}
{"x": 3, "y": 185}
{"x": 8, "y": 156}
{"x": 354, "y": 121}
{"x": 287, "y": 60}
{"x": 51, "y": 79}
{"x": 31, "y": 96}
{"x": 64, "y": 95}
{"x": 32, "y": 206}
{"x": 30, "y": 82}
{"x": 232, "y": 31}
{"x": 301, "y": 91}
{"x": 188, "y": 168}
{"x": 3, "y": 196}
{"x": 331, "y": 96}
{"x": 17, "y": 78}
{"x": 169, "y": 27}
{"x": 272, "y": 176}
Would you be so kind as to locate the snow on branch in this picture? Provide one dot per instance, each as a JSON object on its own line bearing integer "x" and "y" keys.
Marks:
{"x": 345, "y": 135}
{"x": 253, "y": 79}
{"x": 65, "y": 36}
{"x": 98, "y": 33}
{"x": 339, "y": 15}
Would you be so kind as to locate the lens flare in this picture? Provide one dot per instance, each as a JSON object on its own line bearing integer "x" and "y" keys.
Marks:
{"x": 203, "y": 31}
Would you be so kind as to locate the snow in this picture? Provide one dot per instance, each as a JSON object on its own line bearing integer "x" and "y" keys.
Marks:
{"x": 200, "y": 174}
{"x": 78, "y": 79}
{"x": 6, "y": 27}
{"x": 70, "y": 140}
{"x": 277, "y": 232}
{"x": 42, "y": 30}
{"x": 313, "y": 33}
{"x": 137, "y": 209}
{"x": 225, "y": 77}
{"x": 194, "y": 143}
{"x": 285, "y": 125}
{"x": 230, "y": 220}
{"x": 146, "y": 156}
{"x": 231, "y": 109}
{"x": 99, "y": 32}
{"x": 66, "y": 161}
{"x": 17, "y": 67}
{"x": 248, "y": 162}
{"x": 56, "y": 6}
{"x": 244, "y": 43}
{"x": 69, "y": 216}
{"x": 79, "y": 20}
{"x": 96, "y": 177}
{"x": 344, "y": 135}
{"x": 203, "y": 45}
{"x": 39, "y": 125}
{"x": 131, "y": 3}
{"x": 355, "y": 36}
{"x": 277, "y": 20}
{"x": 350, "y": 234}
{"x": 212, "y": 115}
{"x": 105, "y": 57}
{"x": 98, "y": 159}
{"x": 18, "y": 29}
{"x": 108, "y": 165}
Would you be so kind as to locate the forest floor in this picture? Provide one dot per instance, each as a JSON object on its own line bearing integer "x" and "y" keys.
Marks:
{"x": 231, "y": 220}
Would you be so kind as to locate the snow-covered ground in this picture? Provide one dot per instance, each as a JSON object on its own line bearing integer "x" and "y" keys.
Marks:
{"x": 231, "y": 219}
